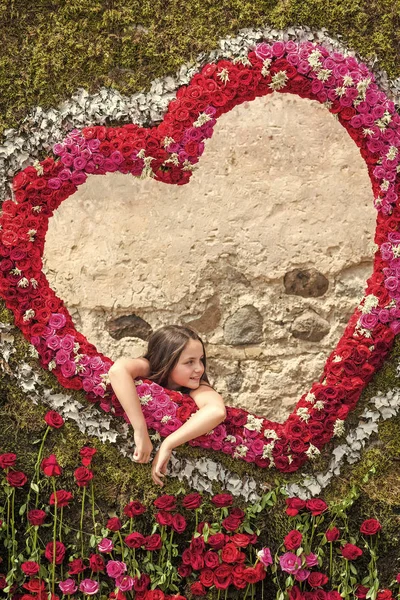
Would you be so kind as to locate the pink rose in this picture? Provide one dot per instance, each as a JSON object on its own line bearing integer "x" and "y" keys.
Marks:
{"x": 61, "y": 357}
{"x": 89, "y": 587}
{"x": 115, "y": 568}
{"x": 124, "y": 583}
{"x": 311, "y": 560}
{"x": 57, "y": 321}
{"x": 68, "y": 368}
{"x": 68, "y": 586}
{"x": 106, "y": 545}
{"x": 263, "y": 51}
{"x": 290, "y": 563}
{"x": 302, "y": 575}
{"x": 265, "y": 556}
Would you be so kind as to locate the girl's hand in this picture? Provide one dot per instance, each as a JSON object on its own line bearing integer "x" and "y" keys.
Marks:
{"x": 160, "y": 462}
{"x": 143, "y": 445}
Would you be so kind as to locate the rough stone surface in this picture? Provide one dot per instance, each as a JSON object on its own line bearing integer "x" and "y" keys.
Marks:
{"x": 244, "y": 327}
{"x": 310, "y": 326}
{"x": 308, "y": 283}
{"x": 280, "y": 186}
{"x": 128, "y": 326}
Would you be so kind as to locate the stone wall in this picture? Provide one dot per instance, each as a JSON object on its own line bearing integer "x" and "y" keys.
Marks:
{"x": 265, "y": 252}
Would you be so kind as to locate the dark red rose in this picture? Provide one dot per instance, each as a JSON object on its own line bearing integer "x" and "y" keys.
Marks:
{"x": 361, "y": 592}
{"x": 332, "y": 534}
{"x": 59, "y": 554}
{"x": 316, "y": 506}
{"x": 152, "y": 542}
{"x": 198, "y": 589}
{"x": 351, "y": 552}
{"x": 54, "y": 419}
{"x": 83, "y": 476}
{"x": 7, "y": 460}
{"x": 96, "y": 563}
{"x": 30, "y": 567}
{"x": 211, "y": 559}
{"x": 222, "y": 577}
{"x": 231, "y": 523}
{"x": 317, "y": 579}
{"x": 192, "y": 501}
{"x": 140, "y": 584}
{"x": 293, "y": 540}
{"x": 36, "y": 517}
{"x": 216, "y": 541}
{"x": 63, "y": 498}
{"x": 165, "y": 502}
{"x": 294, "y": 505}
{"x": 370, "y": 527}
{"x": 134, "y": 509}
{"x": 178, "y": 523}
{"x": 295, "y": 593}
{"x": 250, "y": 575}
{"x": 184, "y": 570}
{"x": 87, "y": 455}
{"x": 134, "y": 540}
{"x": 76, "y": 566}
{"x": 207, "y": 577}
{"x": 164, "y": 518}
{"x": 114, "y": 524}
{"x": 16, "y": 478}
{"x": 333, "y": 595}
{"x": 197, "y": 545}
{"x": 50, "y": 466}
{"x": 222, "y": 500}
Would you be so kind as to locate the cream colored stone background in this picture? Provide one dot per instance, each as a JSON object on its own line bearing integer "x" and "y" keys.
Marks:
{"x": 280, "y": 186}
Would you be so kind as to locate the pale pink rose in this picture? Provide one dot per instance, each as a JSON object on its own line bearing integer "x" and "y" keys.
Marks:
{"x": 257, "y": 447}
{"x": 90, "y": 167}
{"x": 68, "y": 369}
{"x": 106, "y": 545}
{"x": 75, "y": 149}
{"x": 291, "y": 46}
{"x": 303, "y": 67}
{"x": 369, "y": 321}
{"x": 68, "y": 586}
{"x": 290, "y": 563}
{"x": 124, "y": 583}
{"x": 115, "y": 568}
{"x": 57, "y": 321}
{"x": 265, "y": 556}
{"x": 89, "y": 587}
{"x": 98, "y": 160}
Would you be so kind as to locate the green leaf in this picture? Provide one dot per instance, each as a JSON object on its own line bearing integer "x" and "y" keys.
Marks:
{"x": 22, "y": 509}
{"x": 34, "y": 487}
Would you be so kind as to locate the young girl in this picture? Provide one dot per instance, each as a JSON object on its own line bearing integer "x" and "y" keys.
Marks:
{"x": 176, "y": 360}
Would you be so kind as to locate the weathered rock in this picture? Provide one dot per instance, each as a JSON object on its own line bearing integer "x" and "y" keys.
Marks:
{"x": 310, "y": 327}
{"x": 210, "y": 318}
{"x": 308, "y": 283}
{"x": 244, "y": 327}
{"x": 128, "y": 326}
{"x": 234, "y": 381}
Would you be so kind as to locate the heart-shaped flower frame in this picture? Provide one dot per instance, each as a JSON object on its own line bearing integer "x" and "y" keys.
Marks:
{"x": 168, "y": 152}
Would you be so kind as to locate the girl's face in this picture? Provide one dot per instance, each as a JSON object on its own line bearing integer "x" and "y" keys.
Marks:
{"x": 189, "y": 368}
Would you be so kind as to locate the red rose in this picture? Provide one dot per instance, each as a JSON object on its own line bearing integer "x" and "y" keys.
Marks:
{"x": 140, "y": 584}
{"x": 152, "y": 542}
{"x": 184, "y": 570}
{"x": 384, "y": 595}
{"x": 295, "y": 593}
{"x": 231, "y": 523}
{"x": 50, "y": 466}
{"x": 332, "y": 534}
{"x": 211, "y": 559}
{"x": 63, "y": 498}
{"x": 250, "y": 575}
{"x": 192, "y": 501}
{"x": 53, "y": 419}
{"x": 96, "y": 563}
{"x": 36, "y": 516}
{"x": 134, "y": 509}
{"x": 370, "y": 527}
{"x": 87, "y": 455}
{"x": 198, "y": 589}
{"x": 16, "y": 478}
{"x": 207, "y": 577}
{"x": 34, "y": 585}
{"x": 83, "y": 476}
{"x": 361, "y": 592}
{"x": 238, "y": 579}
{"x": 317, "y": 579}
{"x": 242, "y": 540}
{"x": 293, "y": 540}
{"x": 164, "y": 518}
{"x": 333, "y": 595}
{"x": 316, "y": 506}
{"x": 114, "y": 524}
{"x": 222, "y": 577}
{"x": 76, "y": 566}
{"x": 134, "y": 540}
{"x": 294, "y": 505}
{"x": 222, "y": 500}
{"x": 216, "y": 541}
{"x": 7, "y": 460}
{"x": 165, "y": 502}
{"x": 60, "y": 552}
{"x": 230, "y": 553}
{"x": 30, "y": 567}
{"x": 351, "y": 552}
{"x": 178, "y": 523}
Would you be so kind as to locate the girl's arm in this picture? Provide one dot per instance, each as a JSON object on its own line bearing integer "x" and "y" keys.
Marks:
{"x": 122, "y": 375}
{"x": 211, "y": 413}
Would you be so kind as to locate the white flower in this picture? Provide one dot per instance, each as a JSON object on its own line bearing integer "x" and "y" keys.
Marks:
{"x": 174, "y": 159}
{"x": 270, "y": 434}
{"x": 369, "y": 303}
{"x": 319, "y": 405}
{"x": 36, "y": 209}
{"x": 337, "y": 359}
{"x": 145, "y": 399}
{"x": 223, "y": 75}
{"x": 38, "y": 167}
{"x": 348, "y": 80}
{"x": 230, "y": 438}
{"x": 312, "y": 451}
{"x": 187, "y": 166}
{"x": 244, "y": 60}
{"x": 362, "y": 87}
{"x": 340, "y": 91}
{"x": 278, "y": 80}
{"x": 253, "y": 423}
{"x": 155, "y": 437}
{"x": 31, "y": 235}
{"x": 310, "y": 398}
{"x": 265, "y": 67}
{"x": 201, "y": 120}
{"x": 240, "y": 451}
{"x": 314, "y": 59}
{"x": 167, "y": 141}
{"x": 385, "y": 185}
{"x": 15, "y": 271}
{"x": 338, "y": 428}
{"x": 396, "y": 251}
{"x": 323, "y": 75}
{"x": 52, "y": 365}
{"x": 367, "y": 131}
{"x": 267, "y": 451}
{"x": 166, "y": 418}
{"x": 34, "y": 283}
{"x": 290, "y": 459}
{"x": 392, "y": 153}
{"x": 303, "y": 413}
{"x": 29, "y": 314}
{"x": 23, "y": 282}
{"x": 33, "y": 352}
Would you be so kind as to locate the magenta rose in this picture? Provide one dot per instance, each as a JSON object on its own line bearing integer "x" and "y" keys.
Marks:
{"x": 89, "y": 587}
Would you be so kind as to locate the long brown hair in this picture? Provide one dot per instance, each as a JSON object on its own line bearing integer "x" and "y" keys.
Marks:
{"x": 164, "y": 349}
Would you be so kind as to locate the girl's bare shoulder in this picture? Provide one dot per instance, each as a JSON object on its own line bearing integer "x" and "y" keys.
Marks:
{"x": 205, "y": 394}
{"x": 136, "y": 367}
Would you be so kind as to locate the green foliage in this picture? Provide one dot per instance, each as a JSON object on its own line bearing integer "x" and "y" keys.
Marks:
{"x": 51, "y": 49}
